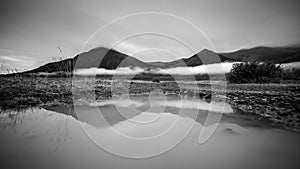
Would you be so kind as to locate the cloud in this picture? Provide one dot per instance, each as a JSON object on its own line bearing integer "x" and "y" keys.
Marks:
{"x": 154, "y": 47}
{"x": 202, "y": 69}
{"x": 129, "y": 48}
{"x": 101, "y": 71}
{"x": 291, "y": 65}
{"x": 17, "y": 61}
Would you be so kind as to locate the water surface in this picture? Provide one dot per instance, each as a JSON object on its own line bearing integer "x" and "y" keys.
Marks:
{"x": 53, "y": 137}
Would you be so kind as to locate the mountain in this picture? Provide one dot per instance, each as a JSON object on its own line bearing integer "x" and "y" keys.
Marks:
{"x": 206, "y": 56}
{"x": 97, "y": 57}
{"x": 108, "y": 59}
{"x": 111, "y": 59}
{"x": 265, "y": 54}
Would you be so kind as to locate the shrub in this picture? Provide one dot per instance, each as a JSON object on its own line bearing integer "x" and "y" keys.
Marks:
{"x": 291, "y": 74}
{"x": 155, "y": 80}
{"x": 255, "y": 72}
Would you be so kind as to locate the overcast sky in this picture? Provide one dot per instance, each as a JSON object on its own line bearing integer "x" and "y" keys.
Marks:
{"x": 31, "y": 30}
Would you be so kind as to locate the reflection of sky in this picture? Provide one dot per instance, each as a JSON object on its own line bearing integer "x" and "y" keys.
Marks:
{"x": 33, "y": 29}
{"x": 219, "y": 107}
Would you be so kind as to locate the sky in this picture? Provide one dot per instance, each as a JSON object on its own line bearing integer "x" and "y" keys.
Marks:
{"x": 32, "y": 30}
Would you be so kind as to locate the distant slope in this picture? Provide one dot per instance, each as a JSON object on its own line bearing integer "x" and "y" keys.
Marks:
{"x": 293, "y": 58}
{"x": 265, "y": 54}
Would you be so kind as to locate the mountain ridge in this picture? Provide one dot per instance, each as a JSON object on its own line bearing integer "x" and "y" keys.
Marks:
{"x": 102, "y": 57}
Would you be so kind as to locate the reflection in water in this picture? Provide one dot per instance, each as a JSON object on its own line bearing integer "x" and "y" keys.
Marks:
{"x": 39, "y": 138}
{"x": 115, "y": 111}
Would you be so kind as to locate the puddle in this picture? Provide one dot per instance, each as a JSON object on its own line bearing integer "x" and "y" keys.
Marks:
{"x": 53, "y": 137}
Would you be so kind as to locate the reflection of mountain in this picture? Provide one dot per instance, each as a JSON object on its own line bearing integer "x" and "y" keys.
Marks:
{"x": 110, "y": 113}
{"x": 92, "y": 114}
{"x": 63, "y": 109}
{"x": 111, "y": 59}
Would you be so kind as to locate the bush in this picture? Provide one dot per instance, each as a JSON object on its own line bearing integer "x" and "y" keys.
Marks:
{"x": 255, "y": 72}
{"x": 155, "y": 80}
{"x": 291, "y": 74}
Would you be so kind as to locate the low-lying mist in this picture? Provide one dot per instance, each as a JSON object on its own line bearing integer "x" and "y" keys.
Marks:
{"x": 202, "y": 69}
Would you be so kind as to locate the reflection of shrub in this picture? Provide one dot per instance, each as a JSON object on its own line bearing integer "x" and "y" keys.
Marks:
{"x": 255, "y": 72}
